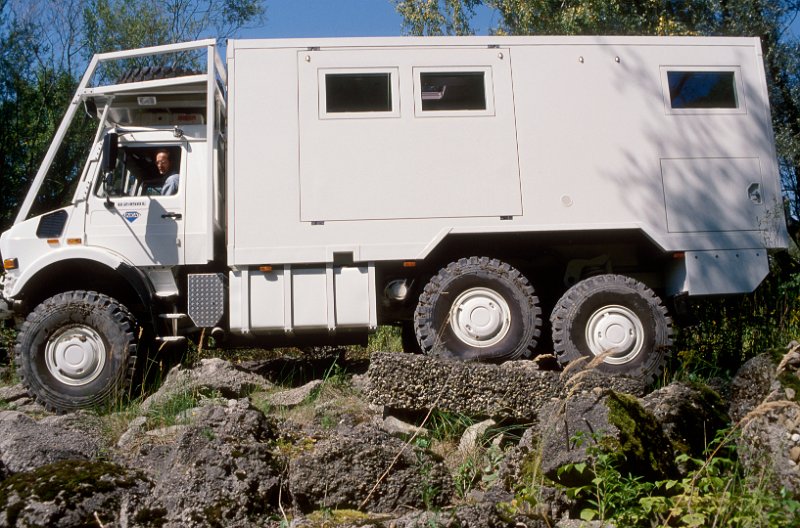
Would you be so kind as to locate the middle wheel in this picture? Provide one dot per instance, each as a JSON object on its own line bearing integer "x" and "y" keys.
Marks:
{"x": 478, "y": 309}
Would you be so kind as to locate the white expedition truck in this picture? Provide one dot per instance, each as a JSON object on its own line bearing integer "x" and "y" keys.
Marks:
{"x": 465, "y": 188}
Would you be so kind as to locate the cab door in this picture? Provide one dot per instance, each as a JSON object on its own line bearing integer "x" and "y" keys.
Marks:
{"x": 128, "y": 215}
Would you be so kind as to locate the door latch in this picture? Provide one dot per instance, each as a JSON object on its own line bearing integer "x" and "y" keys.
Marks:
{"x": 754, "y": 193}
{"x": 176, "y": 216}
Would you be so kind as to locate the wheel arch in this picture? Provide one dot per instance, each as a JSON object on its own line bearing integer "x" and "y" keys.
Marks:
{"x": 543, "y": 256}
{"x": 87, "y": 270}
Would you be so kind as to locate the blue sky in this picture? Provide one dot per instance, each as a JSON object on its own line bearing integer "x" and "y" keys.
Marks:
{"x": 338, "y": 18}
{"x": 350, "y": 18}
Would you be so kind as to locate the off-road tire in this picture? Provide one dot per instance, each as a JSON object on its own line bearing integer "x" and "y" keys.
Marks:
{"x": 438, "y": 330}
{"x": 634, "y": 317}
{"x": 70, "y": 317}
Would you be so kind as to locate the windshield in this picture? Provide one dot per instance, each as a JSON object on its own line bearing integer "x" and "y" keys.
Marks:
{"x": 62, "y": 179}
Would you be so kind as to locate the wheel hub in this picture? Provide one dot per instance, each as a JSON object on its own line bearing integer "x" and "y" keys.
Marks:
{"x": 480, "y": 317}
{"x": 615, "y": 329}
{"x": 75, "y": 355}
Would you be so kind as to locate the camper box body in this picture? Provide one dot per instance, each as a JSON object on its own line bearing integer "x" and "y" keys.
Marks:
{"x": 577, "y": 152}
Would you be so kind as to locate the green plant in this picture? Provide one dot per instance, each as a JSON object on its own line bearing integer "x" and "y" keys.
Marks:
{"x": 465, "y": 477}
{"x": 608, "y": 491}
{"x": 385, "y": 339}
{"x": 445, "y": 425}
{"x": 171, "y": 411}
{"x": 716, "y": 492}
{"x": 729, "y": 331}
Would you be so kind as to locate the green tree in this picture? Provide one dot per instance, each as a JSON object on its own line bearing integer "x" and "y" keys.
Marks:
{"x": 44, "y": 47}
{"x": 29, "y": 87}
{"x": 437, "y": 17}
{"x": 120, "y": 24}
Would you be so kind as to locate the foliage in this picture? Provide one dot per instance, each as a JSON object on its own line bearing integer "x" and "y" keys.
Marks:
{"x": 437, "y": 17}
{"x": 715, "y": 492}
{"x": 119, "y": 24}
{"x": 385, "y": 339}
{"x": 447, "y": 425}
{"x": 728, "y": 332}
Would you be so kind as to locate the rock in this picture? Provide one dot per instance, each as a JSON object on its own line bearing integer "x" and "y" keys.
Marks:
{"x": 13, "y": 392}
{"x": 514, "y": 389}
{"x": 754, "y": 381}
{"x": 73, "y": 493}
{"x": 396, "y": 426}
{"x": 589, "y": 379}
{"x": 18, "y": 399}
{"x": 341, "y": 471}
{"x": 218, "y": 471}
{"x": 577, "y": 523}
{"x": 211, "y": 376}
{"x": 482, "y": 509}
{"x": 765, "y": 446}
{"x": 293, "y": 397}
{"x": 413, "y": 382}
{"x": 26, "y": 444}
{"x": 470, "y": 439}
{"x": 611, "y": 422}
{"x": 690, "y": 415}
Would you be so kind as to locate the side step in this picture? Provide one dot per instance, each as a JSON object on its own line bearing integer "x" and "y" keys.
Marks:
{"x": 174, "y": 318}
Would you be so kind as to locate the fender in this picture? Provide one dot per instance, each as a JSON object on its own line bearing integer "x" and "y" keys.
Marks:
{"x": 127, "y": 271}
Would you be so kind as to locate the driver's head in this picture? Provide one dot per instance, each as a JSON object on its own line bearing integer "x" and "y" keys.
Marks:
{"x": 162, "y": 161}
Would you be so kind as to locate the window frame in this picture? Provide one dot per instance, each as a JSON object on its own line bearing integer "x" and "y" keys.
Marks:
{"x": 128, "y": 178}
{"x": 394, "y": 87}
{"x": 488, "y": 88}
{"x": 738, "y": 90}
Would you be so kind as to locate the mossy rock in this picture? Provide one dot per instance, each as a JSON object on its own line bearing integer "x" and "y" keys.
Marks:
{"x": 640, "y": 438}
{"x": 66, "y": 493}
{"x": 690, "y": 414}
{"x": 613, "y": 423}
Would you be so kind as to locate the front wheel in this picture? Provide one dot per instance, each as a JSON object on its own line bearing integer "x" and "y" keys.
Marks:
{"x": 76, "y": 350}
{"x": 616, "y": 319}
{"x": 478, "y": 309}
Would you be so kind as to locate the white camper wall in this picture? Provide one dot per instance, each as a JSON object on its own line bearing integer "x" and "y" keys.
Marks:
{"x": 596, "y": 144}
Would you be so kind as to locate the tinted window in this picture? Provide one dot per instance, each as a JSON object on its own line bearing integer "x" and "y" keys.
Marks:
{"x": 136, "y": 173}
{"x": 358, "y": 92}
{"x": 453, "y": 91}
{"x": 701, "y": 89}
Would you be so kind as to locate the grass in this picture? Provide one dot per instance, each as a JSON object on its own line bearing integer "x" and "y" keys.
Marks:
{"x": 325, "y": 406}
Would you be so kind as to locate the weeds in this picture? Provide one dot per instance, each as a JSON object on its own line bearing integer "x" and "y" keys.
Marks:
{"x": 729, "y": 331}
{"x": 714, "y": 493}
{"x": 385, "y": 339}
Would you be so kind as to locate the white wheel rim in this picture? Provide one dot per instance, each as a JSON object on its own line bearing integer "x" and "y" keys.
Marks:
{"x": 480, "y": 317}
{"x": 617, "y": 330}
{"x": 75, "y": 355}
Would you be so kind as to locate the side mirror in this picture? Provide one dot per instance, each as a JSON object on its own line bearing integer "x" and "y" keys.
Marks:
{"x": 110, "y": 146}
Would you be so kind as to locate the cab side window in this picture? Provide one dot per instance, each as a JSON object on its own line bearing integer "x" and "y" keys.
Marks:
{"x": 136, "y": 173}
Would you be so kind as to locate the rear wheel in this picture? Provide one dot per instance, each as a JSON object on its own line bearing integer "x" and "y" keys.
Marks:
{"x": 478, "y": 309}
{"x": 616, "y": 318}
{"x": 76, "y": 350}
